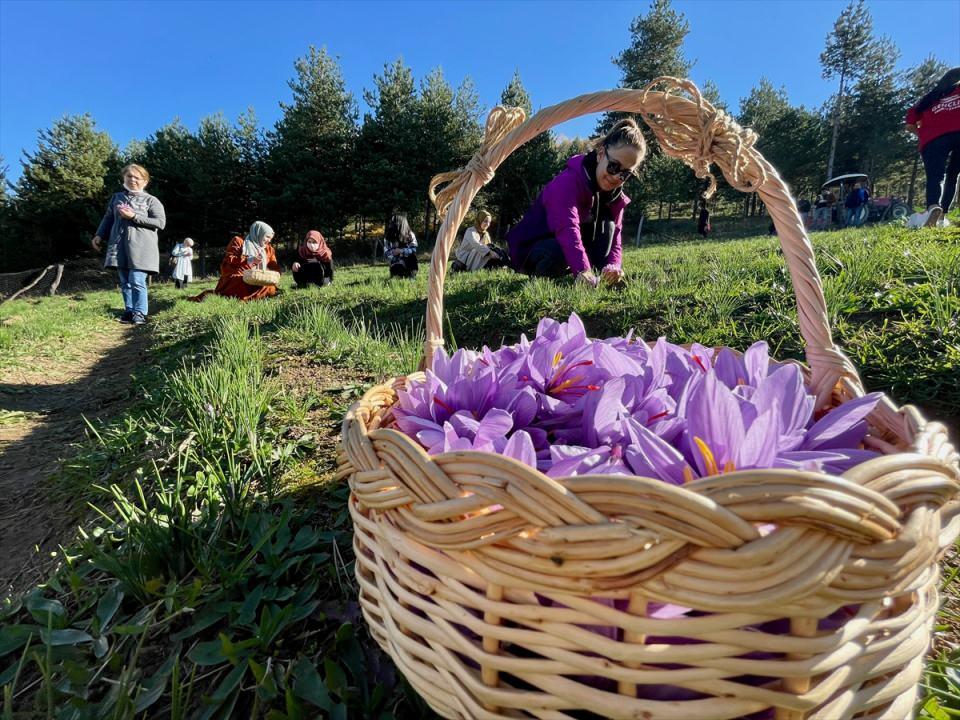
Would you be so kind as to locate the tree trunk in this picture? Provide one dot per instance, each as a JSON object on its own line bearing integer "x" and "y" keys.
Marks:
{"x": 836, "y": 123}
{"x": 426, "y": 221}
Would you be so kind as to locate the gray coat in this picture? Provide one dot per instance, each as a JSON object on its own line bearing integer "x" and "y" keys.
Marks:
{"x": 133, "y": 244}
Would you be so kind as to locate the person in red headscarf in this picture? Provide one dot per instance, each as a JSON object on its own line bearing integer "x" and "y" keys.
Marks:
{"x": 315, "y": 265}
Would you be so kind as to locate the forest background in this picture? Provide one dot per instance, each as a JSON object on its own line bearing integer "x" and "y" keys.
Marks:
{"x": 322, "y": 166}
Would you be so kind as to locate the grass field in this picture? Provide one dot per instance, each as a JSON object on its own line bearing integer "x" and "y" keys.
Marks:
{"x": 212, "y": 576}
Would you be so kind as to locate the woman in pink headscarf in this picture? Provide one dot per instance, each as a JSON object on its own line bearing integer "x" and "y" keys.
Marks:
{"x": 315, "y": 264}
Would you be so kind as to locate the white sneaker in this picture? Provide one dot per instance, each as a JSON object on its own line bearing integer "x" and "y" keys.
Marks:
{"x": 944, "y": 222}
{"x": 918, "y": 220}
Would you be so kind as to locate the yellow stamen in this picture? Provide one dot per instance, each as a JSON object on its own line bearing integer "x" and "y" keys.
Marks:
{"x": 687, "y": 474}
{"x": 565, "y": 384}
{"x": 557, "y": 358}
{"x": 728, "y": 466}
{"x": 709, "y": 460}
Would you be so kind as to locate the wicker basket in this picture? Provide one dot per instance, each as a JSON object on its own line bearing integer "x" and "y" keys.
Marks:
{"x": 502, "y": 593}
{"x": 261, "y": 278}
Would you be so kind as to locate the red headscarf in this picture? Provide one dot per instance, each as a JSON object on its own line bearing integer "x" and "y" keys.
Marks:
{"x": 322, "y": 253}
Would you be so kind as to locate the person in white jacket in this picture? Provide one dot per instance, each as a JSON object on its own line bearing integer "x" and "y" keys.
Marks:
{"x": 181, "y": 257}
{"x": 475, "y": 251}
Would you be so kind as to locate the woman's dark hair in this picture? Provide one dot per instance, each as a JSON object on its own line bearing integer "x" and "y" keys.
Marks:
{"x": 946, "y": 85}
{"x": 398, "y": 229}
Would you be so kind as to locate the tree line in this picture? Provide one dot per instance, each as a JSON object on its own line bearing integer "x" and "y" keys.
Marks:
{"x": 322, "y": 166}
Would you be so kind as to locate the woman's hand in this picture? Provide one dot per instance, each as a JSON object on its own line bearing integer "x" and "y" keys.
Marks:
{"x": 588, "y": 278}
{"x": 96, "y": 242}
{"x": 296, "y": 267}
{"x": 612, "y": 275}
{"x": 126, "y": 211}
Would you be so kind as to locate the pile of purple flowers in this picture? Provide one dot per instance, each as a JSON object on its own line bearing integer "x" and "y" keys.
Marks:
{"x": 570, "y": 405}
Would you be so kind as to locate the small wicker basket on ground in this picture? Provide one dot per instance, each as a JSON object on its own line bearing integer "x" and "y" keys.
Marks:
{"x": 261, "y": 278}
{"x": 502, "y": 593}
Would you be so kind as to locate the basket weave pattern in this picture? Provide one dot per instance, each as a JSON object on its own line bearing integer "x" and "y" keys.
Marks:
{"x": 261, "y": 278}
{"x": 502, "y": 593}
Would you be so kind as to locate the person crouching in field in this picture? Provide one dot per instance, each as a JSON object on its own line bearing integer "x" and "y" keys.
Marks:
{"x": 181, "y": 257}
{"x": 475, "y": 251}
{"x": 130, "y": 226}
{"x": 400, "y": 247}
{"x": 315, "y": 266}
{"x": 254, "y": 252}
{"x": 576, "y": 223}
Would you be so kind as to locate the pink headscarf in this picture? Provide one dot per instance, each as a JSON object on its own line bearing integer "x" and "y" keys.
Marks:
{"x": 322, "y": 253}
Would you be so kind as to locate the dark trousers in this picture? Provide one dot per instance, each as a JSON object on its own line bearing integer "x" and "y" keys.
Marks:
{"x": 546, "y": 258}
{"x": 941, "y": 160}
{"x": 318, "y": 273}
{"x": 498, "y": 259}
{"x": 405, "y": 266}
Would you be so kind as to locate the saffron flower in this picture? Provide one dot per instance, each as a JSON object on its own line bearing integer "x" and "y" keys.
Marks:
{"x": 569, "y": 405}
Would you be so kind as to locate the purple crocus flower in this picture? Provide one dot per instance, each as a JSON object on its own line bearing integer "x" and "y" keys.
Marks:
{"x": 570, "y": 405}
{"x": 727, "y": 432}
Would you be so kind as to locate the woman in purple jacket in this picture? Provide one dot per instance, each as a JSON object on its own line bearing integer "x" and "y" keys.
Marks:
{"x": 575, "y": 225}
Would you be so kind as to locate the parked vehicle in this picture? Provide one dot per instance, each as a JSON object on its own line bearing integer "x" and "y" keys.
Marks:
{"x": 828, "y": 211}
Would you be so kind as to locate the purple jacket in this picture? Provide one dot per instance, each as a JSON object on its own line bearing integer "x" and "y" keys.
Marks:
{"x": 563, "y": 204}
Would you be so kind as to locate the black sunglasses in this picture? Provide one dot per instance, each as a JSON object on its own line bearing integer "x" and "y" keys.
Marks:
{"x": 615, "y": 168}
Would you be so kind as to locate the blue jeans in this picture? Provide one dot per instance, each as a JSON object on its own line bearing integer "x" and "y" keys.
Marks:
{"x": 133, "y": 288}
{"x": 856, "y": 216}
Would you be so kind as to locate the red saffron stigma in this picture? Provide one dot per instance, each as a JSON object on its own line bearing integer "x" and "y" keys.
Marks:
{"x": 699, "y": 362}
{"x": 442, "y": 404}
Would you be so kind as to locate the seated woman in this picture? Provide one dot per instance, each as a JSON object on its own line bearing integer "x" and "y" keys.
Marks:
{"x": 250, "y": 253}
{"x": 575, "y": 224}
{"x": 315, "y": 266}
{"x": 400, "y": 247}
{"x": 475, "y": 251}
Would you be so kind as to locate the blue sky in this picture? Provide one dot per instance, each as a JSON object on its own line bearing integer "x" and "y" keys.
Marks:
{"x": 136, "y": 66}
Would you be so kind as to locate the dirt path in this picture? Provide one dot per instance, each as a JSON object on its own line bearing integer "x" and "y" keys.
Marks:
{"x": 42, "y": 410}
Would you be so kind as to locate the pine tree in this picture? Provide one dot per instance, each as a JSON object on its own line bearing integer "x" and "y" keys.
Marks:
{"x": 4, "y": 195}
{"x": 763, "y": 106}
{"x": 656, "y": 48}
{"x": 171, "y": 156}
{"x": 522, "y": 175}
{"x": 309, "y": 173}
{"x": 847, "y": 53}
{"x": 874, "y": 140}
{"x": 61, "y": 193}
{"x": 389, "y": 143}
{"x": 251, "y": 147}
{"x": 449, "y": 131}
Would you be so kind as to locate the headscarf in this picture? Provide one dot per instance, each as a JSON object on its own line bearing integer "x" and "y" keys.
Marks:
{"x": 253, "y": 243}
{"x": 322, "y": 253}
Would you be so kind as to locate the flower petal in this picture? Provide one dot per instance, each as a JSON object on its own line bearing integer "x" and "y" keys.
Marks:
{"x": 832, "y": 430}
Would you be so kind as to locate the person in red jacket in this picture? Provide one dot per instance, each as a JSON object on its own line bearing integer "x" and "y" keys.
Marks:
{"x": 252, "y": 252}
{"x": 936, "y": 120}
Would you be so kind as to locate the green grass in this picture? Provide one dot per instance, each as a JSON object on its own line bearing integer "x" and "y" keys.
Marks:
{"x": 214, "y": 578}
{"x": 35, "y": 329}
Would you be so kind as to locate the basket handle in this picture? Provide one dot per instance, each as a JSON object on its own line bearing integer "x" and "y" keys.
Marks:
{"x": 692, "y": 130}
